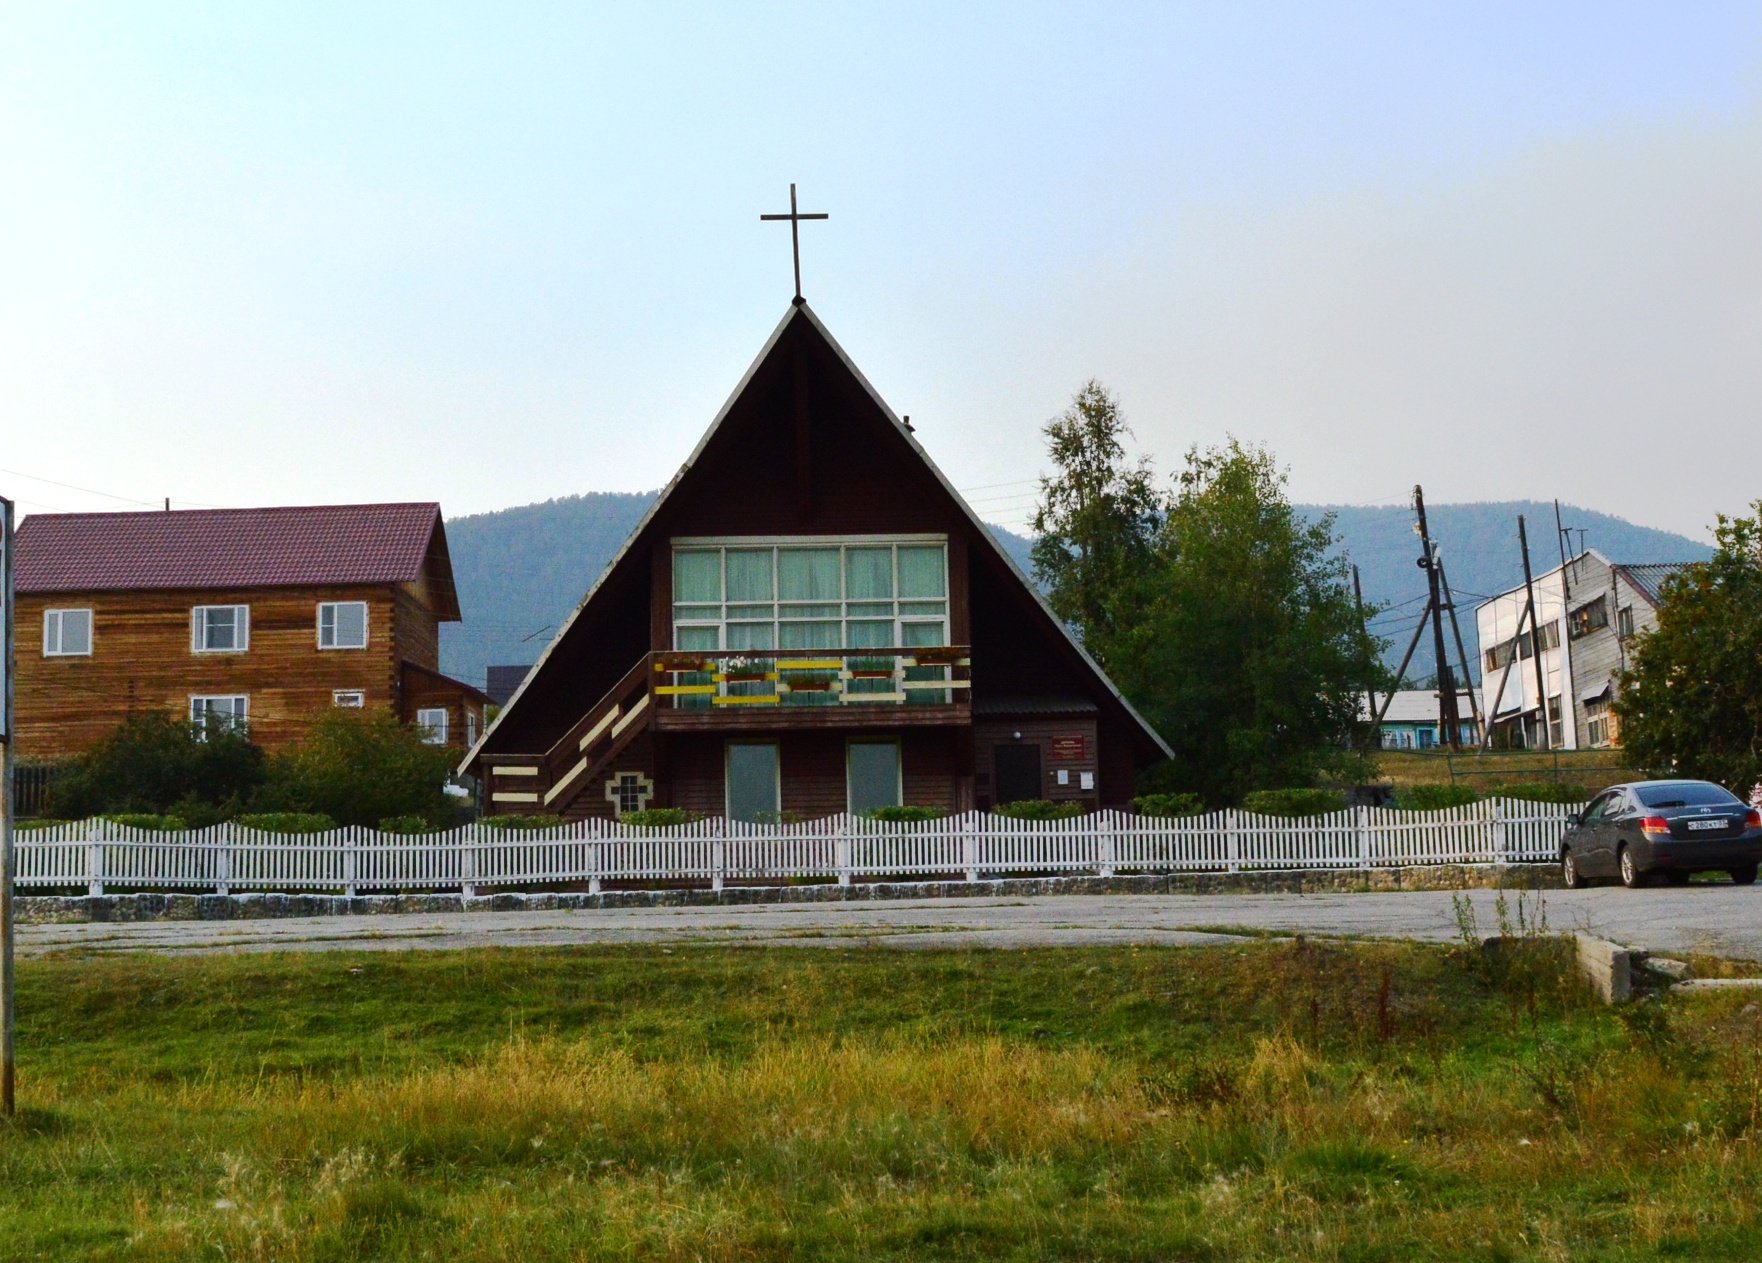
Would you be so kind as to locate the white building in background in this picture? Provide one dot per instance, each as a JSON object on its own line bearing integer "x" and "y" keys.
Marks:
{"x": 1411, "y": 719}
{"x": 1588, "y": 613}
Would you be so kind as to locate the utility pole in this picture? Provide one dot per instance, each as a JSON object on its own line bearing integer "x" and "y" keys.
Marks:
{"x": 1448, "y": 718}
{"x": 1474, "y": 706}
{"x": 1568, "y": 692}
{"x": 7, "y": 734}
{"x": 1370, "y": 693}
{"x": 1529, "y": 593}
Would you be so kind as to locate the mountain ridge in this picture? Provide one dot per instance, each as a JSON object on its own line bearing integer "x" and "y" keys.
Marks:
{"x": 521, "y": 570}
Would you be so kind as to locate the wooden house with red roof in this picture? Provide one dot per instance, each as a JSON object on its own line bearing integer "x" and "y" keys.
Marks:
{"x": 810, "y": 620}
{"x": 265, "y": 617}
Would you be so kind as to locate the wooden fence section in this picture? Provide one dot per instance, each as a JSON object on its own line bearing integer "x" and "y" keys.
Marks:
{"x": 100, "y": 855}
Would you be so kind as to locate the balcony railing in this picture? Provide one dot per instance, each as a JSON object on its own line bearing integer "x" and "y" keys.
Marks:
{"x": 928, "y": 676}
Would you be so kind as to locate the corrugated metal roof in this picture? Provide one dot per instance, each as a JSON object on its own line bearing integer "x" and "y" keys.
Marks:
{"x": 1420, "y": 706}
{"x": 1034, "y": 706}
{"x": 1648, "y": 577}
{"x": 225, "y": 548}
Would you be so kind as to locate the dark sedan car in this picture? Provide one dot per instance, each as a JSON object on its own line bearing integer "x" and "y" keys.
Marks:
{"x": 1672, "y": 828}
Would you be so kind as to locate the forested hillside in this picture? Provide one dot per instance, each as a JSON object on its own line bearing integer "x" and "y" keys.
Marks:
{"x": 520, "y": 571}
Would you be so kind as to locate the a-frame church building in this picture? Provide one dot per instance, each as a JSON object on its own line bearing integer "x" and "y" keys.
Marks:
{"x": 810, "y": 620}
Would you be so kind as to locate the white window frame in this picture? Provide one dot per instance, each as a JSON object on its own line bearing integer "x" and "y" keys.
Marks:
{"x": 241, "y": 629}
{"x": 906, "y": 610}
{"x": 57, "y": 619}
{"x": 350, "y": 699}
{"x": 431, "y": 732}
{"x": 331, "y": 607}
{"x": 238, "y": 717}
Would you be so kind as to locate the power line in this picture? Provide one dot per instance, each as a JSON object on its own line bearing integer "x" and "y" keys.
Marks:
{"x": 68, "y": 486}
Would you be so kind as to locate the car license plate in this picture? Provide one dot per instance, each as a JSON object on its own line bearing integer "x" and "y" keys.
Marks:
{"x": 1707, "y": 824}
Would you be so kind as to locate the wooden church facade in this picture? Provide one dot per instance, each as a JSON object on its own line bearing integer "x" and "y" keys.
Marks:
{"x": 809, "y": 620}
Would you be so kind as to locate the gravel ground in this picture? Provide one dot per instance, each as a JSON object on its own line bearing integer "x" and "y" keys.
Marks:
{"x": 1719, "y": 919}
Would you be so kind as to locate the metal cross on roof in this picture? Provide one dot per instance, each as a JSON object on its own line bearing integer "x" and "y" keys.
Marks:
{"x": 795, "y": 217}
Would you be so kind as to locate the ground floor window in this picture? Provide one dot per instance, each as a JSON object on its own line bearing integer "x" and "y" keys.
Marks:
{"x": 753, "y": 790}
{"x": 872, "y": 776}
{"x": 348, "y": 697}
{"x": 219, "y": 713}
{"x": 431, "y": 723}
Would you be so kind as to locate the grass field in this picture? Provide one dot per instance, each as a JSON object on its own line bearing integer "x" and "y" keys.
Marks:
{"x": 1268, "y": 1101}
{"x": 1592, "y": 770}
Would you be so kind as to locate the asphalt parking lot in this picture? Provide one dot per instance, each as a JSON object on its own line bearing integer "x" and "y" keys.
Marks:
{"x": 1715, "y": 918}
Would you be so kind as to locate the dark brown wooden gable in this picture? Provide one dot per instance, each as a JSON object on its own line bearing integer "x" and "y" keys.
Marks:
{"x": 804, "y": 450}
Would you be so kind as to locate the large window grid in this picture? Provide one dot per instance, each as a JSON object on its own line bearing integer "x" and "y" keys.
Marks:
{"x": 864, "y": 593}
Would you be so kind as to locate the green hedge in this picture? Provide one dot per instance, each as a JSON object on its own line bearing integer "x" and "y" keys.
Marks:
{"x": 141, "y": 820}
{"x": 1039, "y": 809}
{"x": 405, "y": 824}
{"x": 905, "y": 815}
{"x": 660, "y": 817}
{"x": 288, "y": 822}
{"x": 1165, "y": 805}
{"x": 1436, "y": 797}
{"x": 1294, "y": 802}
{"x": 1543, "y": 792}
{"x": 521, "y": 823}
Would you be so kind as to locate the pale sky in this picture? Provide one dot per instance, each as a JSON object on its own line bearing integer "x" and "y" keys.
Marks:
{"x": 490, "y": 255}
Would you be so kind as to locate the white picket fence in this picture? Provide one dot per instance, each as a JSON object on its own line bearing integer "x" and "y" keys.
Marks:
{"x": 99, "y": 854}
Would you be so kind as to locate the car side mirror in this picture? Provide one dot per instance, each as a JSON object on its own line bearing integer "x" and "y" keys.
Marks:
{"x": 1574, "y": 819}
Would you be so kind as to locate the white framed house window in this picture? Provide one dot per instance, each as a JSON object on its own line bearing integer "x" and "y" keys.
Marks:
{"x": 220, "y": 712}
{"x": 342, "y": 625}
{"x": 431, "y": 724}
{"x": 220, "y": 629}
{"x": 810, "y": 592}
{"x": 350, "y": 698}
{"x": 67, "y": 633}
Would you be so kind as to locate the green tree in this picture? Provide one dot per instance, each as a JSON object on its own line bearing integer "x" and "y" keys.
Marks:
{"x": 1691, "y": 704}
{"x": 1096, "y": 522}
{"x": 155, "y": 763}
{"x": 1222, "y": 613}
{"x": 359, "y": 768}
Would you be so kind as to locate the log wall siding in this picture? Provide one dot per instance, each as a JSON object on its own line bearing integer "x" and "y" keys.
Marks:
{"x": 141, "y": 661}
{"x": 1041, "y": 731}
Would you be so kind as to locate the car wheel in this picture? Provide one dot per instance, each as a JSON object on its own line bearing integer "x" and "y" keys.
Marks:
{"x": 1569, "y": 874}
{"x": 1677, "y": 876}
{"x": 1631, "y": 877}
{"x": 1745, "y": 876}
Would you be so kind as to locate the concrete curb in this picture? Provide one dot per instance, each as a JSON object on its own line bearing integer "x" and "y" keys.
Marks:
{"x": 69, "y": 909}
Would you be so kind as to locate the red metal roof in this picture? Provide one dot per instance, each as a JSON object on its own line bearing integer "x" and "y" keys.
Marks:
{"x": 225, "y": 548}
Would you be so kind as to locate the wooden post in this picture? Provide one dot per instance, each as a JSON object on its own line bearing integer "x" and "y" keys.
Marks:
{"x": 1232, "y": 840}
{"x": 718, "y": 863}
{"x": 841, "y": 857}
{"x": 7, "y": 735}
{"x": 1362, "y": 822}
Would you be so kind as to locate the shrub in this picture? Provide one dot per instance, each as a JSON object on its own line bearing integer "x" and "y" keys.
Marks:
{"x": 287, "y": 822}
{"x": 405, "y": 824}
{"x": 358, "y": 768}
{"x": 905, "y": 815}
{"x": 522, "y": 823}
{"x": 146, "y": 820}
{"x": 36, "y": 822}
{"x": 1039, "y": 809}
{"x": 1543, "y": 792}
{"x": 1294, "y": 802}
{"x": 1436, "y": 797}
{"x": 1168, "y": 805}
{"x": 154, "y": 764}
{"x": 660, "y": 817}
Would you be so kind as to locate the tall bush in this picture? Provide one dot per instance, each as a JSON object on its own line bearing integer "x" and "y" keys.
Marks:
{"x": 358, "y": 768}
{"x": 154, "y": 764}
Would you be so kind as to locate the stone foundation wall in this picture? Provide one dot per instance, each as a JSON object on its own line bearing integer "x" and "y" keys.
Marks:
{"x": 42, "y": 909}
